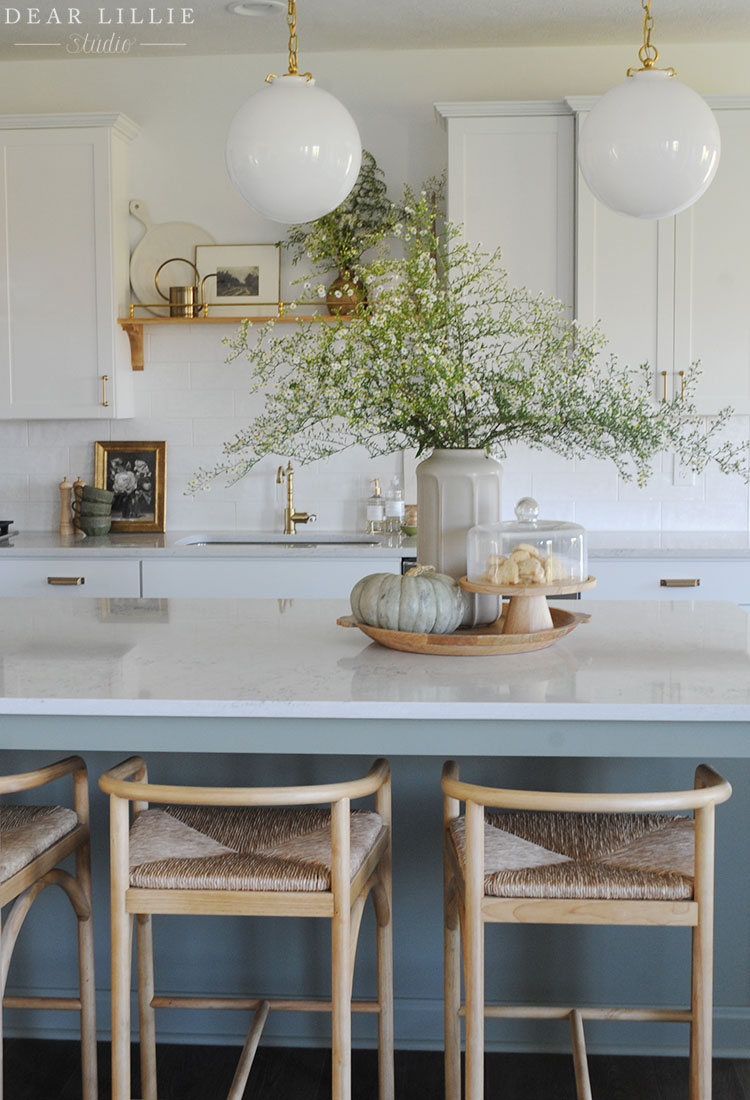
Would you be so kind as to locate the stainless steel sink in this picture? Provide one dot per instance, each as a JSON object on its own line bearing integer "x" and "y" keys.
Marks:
{"x": 274, "y": 538}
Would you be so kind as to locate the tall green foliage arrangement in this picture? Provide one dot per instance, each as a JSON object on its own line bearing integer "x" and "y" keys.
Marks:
{"x": 338, "y": 240}
{"x": 445, "y": 352}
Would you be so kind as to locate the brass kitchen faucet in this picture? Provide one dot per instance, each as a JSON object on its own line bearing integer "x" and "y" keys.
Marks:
{"x": 291, "y": 518}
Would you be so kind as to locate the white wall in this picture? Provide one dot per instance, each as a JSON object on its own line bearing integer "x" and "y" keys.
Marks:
{"x": 190, "y": 398}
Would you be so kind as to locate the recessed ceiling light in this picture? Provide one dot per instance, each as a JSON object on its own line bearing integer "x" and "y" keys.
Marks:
{"x": 256, "y": 7}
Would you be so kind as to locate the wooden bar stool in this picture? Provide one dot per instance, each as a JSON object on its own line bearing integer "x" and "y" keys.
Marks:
{"x": 34, "y": 840}
{"x": 253, "y": 851}
{"x": 533, "y": 857}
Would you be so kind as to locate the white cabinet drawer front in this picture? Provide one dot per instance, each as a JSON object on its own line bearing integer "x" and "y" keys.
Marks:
{"x": 642, "y": 580}
{"x": 63, "y": 577}
{"x": 259, "y": 578}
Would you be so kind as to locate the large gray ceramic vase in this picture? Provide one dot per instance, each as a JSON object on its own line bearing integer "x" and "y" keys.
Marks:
{"x": 456, "y": 490}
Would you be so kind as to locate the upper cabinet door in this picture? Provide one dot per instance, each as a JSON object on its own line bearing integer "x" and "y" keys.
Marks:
{"x": 63, "y": 267}
{"x": 624, "y": 281}
{"x": 673, "y": 291}
{"x": 510, "y": 183}
{"x": 712, "y": 276}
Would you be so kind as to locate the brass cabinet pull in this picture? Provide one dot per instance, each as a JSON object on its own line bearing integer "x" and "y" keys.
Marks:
{"x": 105, "y": 379}
{"x": 66, "y": 580}
{"x": 681, "y": 376}
{"x": 664, "y": 387}
{"x": 680, "y": 582}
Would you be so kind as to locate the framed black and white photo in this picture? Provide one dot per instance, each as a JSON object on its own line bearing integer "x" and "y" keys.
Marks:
{"x": 241, "y": 280}
{"x": 136, "y": 473}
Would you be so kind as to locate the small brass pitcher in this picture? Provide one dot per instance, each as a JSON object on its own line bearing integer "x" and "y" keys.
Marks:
{"x": 184, "y": 301}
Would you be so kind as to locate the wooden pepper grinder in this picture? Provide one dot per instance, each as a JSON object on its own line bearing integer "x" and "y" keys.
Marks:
{"x": 66, "y": 492}
{"x": 78, "y": 485}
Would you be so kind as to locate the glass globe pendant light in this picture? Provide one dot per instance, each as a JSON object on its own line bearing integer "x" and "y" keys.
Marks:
{"x": 293, "y": 151}
{"x": 650, "y": 147}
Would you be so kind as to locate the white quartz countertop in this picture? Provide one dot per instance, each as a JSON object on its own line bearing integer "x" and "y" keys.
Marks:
{"x": 602, "y": 545}
{"x": 215, "y": 544}
{"x": 674, "y": 661}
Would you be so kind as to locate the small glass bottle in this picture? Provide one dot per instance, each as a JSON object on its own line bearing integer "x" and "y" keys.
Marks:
{"x": 394, "y": 508}
{"x": 375, "y": 510}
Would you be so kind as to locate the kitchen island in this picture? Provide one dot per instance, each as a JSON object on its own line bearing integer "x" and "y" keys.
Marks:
{"x": 274, "y": 691}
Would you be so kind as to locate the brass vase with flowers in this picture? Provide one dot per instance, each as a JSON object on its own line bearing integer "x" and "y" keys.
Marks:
{"x": 344, "y": 294}
{"x": 337, "y": 241}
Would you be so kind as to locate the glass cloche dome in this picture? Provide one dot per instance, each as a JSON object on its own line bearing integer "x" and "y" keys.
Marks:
{"x": 527, "y": 551}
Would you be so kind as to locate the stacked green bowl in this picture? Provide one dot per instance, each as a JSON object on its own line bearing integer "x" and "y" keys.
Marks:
{"x": 95, "y": 510}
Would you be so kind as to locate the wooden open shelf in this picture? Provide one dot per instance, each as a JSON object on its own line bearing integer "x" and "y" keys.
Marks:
{"x": 134, "y": 326}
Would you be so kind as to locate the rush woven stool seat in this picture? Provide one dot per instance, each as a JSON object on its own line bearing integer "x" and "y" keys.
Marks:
{"x": 252, "y": 851}
{"x": 534, "y": 857}
{"x": 34, "y": 841}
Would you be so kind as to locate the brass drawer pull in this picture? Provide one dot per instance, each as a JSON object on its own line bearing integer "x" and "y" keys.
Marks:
{"x": 680, "y": 582}
{"x": 66, "y": 580}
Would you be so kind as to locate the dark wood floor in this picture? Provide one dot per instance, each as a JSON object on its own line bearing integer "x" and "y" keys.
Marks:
{"x": 38, "y": 1070}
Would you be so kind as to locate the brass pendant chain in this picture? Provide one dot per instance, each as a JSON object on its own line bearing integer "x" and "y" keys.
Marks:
{"x": 291, "y": 22}
{"x": 648, "y": 53}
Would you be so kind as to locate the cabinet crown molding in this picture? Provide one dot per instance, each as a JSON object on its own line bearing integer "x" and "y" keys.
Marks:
{"x": 578, "y": 103}
{"x": 491, "y": 109}
{"x": 569, "y": 105}
{"x": 120, "y": 123}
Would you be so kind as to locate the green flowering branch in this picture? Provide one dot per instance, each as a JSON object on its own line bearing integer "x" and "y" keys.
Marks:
{"x": 445, "y": 352}
{"x": 338, "y": 240}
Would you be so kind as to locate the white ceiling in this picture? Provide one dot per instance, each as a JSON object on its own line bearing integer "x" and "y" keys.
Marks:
{"x": 379, "y": 24}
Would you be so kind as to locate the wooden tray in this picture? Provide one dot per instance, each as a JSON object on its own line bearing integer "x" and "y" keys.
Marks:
{"x": 476, "y": 641}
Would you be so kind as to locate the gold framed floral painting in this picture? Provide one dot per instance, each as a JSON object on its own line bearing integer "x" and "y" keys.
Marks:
{"x": 136, "y": 473}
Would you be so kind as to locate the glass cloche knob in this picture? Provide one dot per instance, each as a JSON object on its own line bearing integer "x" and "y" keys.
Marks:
{"x": 527, "y": 510}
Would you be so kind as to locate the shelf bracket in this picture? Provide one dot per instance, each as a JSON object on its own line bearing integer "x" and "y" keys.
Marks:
{"x": 135, "y": 335}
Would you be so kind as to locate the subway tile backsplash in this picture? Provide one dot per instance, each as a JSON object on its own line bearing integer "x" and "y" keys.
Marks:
{"x": 190, "y": 397}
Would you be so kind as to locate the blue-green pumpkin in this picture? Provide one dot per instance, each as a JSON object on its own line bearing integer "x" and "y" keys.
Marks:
{"x": 421, "y": 602}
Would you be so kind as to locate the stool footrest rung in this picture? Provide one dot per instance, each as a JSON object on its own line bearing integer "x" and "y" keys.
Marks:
{"x": 562, "y": 1012}
{"x": 252, "y": 1004}
{"x": 57, "y": 1004}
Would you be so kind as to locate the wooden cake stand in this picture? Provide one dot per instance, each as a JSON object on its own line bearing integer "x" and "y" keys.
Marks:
{"x": 528, "y": 611}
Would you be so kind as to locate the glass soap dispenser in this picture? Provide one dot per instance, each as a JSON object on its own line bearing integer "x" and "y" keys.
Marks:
{"x": 375, "y": 510}
{"x": 527, "y": 551}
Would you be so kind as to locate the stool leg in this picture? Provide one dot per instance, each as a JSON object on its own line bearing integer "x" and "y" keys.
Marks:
{"x": 452, "y": 991}
{"x": 474, "y": 951}
{"x": 121, "y": 936}
{"x": 701, "y": 1038}
{"x": 383, "y": 900}
{"x": 87, "y": 984}
{"x": 341, "y": 951}
{"x": 385, "y": 985}
{"x": 2, "y": 991}
{"x": 146, "y": 1014}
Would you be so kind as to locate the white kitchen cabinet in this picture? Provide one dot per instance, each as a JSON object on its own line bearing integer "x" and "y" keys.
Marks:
{"x": 671, "y": 579}
{"x": 267, "y": 578}
{"x": 64, "y": 266}
{"x": 674, "y": 291}
{"x": 511, "y": 185}
{"x": 62, "y": 576}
